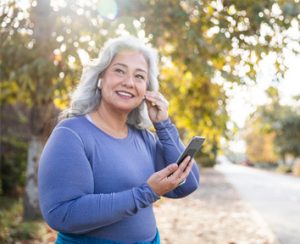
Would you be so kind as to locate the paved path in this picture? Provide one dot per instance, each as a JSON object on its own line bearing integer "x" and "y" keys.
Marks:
{"x": 276, "y": 197}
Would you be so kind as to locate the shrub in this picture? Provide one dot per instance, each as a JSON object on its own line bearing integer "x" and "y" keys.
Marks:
{"x": 284, "y": 169}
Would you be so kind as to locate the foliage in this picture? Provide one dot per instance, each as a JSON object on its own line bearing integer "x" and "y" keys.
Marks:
{"x": 13, "y": 166}
{"x": 283, "y": 121}
{"x": 42, "y": 46}
{"x": 288, "y": 135}
{"x": 9, "y": 213}
{"x": 202, "y": 40}
{"x": 13, "y": 229}
{"x": 296, "y": 167}
{"x": 284, "y": 169}
{"x": 35, "y": 61}
{"x": 14, "y": 137}
{"x": 273, "y": 131}
{"x": 260, "y": 148}
{"x": 39, "y": 56}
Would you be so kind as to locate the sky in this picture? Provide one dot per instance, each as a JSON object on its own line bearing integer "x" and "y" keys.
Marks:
{"x": 244, "y": 100}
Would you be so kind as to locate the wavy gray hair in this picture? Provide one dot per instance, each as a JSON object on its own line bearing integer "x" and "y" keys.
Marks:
{"x": 87, "y": 96}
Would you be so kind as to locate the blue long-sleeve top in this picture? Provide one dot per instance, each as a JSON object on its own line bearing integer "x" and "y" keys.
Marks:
{"x": 94, "y": 184}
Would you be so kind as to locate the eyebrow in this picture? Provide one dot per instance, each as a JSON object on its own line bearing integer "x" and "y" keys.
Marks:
{"x": 125, "y": 66}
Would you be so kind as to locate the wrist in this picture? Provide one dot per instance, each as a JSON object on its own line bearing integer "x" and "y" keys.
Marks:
{"x": 155, "y": 194}
{"x": 162, "y": 123}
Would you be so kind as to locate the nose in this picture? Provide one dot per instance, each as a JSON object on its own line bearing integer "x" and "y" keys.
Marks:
{"x": 128, "y": 81}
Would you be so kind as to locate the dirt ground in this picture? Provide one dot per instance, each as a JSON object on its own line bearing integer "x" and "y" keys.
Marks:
{"x": 213, "y": 214}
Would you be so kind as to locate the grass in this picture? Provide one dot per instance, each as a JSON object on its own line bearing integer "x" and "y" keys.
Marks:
{"x": 14, "y": 230}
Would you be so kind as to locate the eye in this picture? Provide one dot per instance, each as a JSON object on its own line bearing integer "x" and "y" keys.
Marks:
{"x": 120, "y": 71}
{"x": 141, "y": 77}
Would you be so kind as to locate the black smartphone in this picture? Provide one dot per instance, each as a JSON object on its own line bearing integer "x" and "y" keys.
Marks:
{"x": 193, "y": 147}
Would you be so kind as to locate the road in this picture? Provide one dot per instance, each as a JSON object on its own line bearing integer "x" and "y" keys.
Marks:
{"x": 276, "y": 197}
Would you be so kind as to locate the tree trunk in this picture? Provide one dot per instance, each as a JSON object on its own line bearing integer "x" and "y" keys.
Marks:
{"x": 42, "y": 121}
{"x": 31, "y": 200}
{"x": 41, "y": 110}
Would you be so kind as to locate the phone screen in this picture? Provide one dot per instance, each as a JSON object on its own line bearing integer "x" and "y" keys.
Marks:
{"x": 193, "y": 147}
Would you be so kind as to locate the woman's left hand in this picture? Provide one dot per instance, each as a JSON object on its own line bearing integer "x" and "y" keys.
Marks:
{"x": 157, "y": 106}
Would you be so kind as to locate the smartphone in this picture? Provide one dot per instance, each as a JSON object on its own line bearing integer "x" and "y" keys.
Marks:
{"x": 193, "y": 147}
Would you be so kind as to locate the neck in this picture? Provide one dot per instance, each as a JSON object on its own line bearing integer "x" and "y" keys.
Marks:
{"x": 111, "y": 121}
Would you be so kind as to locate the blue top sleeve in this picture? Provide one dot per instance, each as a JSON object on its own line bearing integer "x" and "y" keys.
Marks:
{"x": 168, "y": 149}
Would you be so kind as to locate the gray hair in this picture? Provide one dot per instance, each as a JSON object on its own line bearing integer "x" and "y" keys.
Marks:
{"x": 87, "y": 96}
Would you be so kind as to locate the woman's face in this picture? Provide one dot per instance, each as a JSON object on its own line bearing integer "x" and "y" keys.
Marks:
{"x": 124, "y": 82}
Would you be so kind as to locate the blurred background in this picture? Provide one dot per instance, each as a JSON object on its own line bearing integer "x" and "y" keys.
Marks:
{"x": 230, "y": 70}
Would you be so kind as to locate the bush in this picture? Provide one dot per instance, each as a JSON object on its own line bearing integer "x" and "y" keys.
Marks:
{"x": 284, "y": 169}
{"x": 13, "y": 166}
{"x": 10, "y": 216}
{"x": 13, "y": 150}
{"x": 205, "y": 160}
{"x": 14, "y": 230}
{"x": 296, "y": 167}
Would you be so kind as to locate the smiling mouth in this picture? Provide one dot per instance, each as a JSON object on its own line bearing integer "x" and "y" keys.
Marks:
{"x": 125, "y": 94}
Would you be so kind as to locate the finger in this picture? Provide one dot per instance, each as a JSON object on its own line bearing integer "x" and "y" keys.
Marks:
{"x": 182, "y": 178}
{"x": 170, "y": 169}
{"x": 151, "y": 93}
{"x": 153, "y": 100}
{"x": 157, "y": 98}
{"x": 185, "y": 162}
{"x": 149, "y": 104}
{"x": 162, "y": 98}
{"x": 181, "y": 168}
{"x": 187, "y": 170}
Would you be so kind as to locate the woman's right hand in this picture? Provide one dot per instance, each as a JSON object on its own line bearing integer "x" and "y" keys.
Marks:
{"x": 170, "y": 177}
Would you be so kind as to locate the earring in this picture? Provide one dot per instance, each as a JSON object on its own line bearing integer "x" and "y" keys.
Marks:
{"x": 99, "y": 84}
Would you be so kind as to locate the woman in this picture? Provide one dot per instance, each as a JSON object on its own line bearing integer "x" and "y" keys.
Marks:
{"x": 101, "y": 169}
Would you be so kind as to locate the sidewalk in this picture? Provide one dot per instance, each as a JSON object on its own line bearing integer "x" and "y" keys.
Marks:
{"x": 213, "y": 214}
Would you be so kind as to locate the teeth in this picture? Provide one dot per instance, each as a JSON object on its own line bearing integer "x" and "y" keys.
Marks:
{"x": 125, "y": 94}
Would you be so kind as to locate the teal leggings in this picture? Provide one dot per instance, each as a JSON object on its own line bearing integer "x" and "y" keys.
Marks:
{"x": 63, "y": 238}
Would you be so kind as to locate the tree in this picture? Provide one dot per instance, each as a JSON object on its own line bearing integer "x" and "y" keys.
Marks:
{"x": 259, "y": 140}
{"x": 41, "y": 47}
{"x": 202, "y": 40}
{"x": 288, "y": 136}
{"x": 26, "y": 62}
{"x": 273, "y": 131}
{"x": 39, "y": 57}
